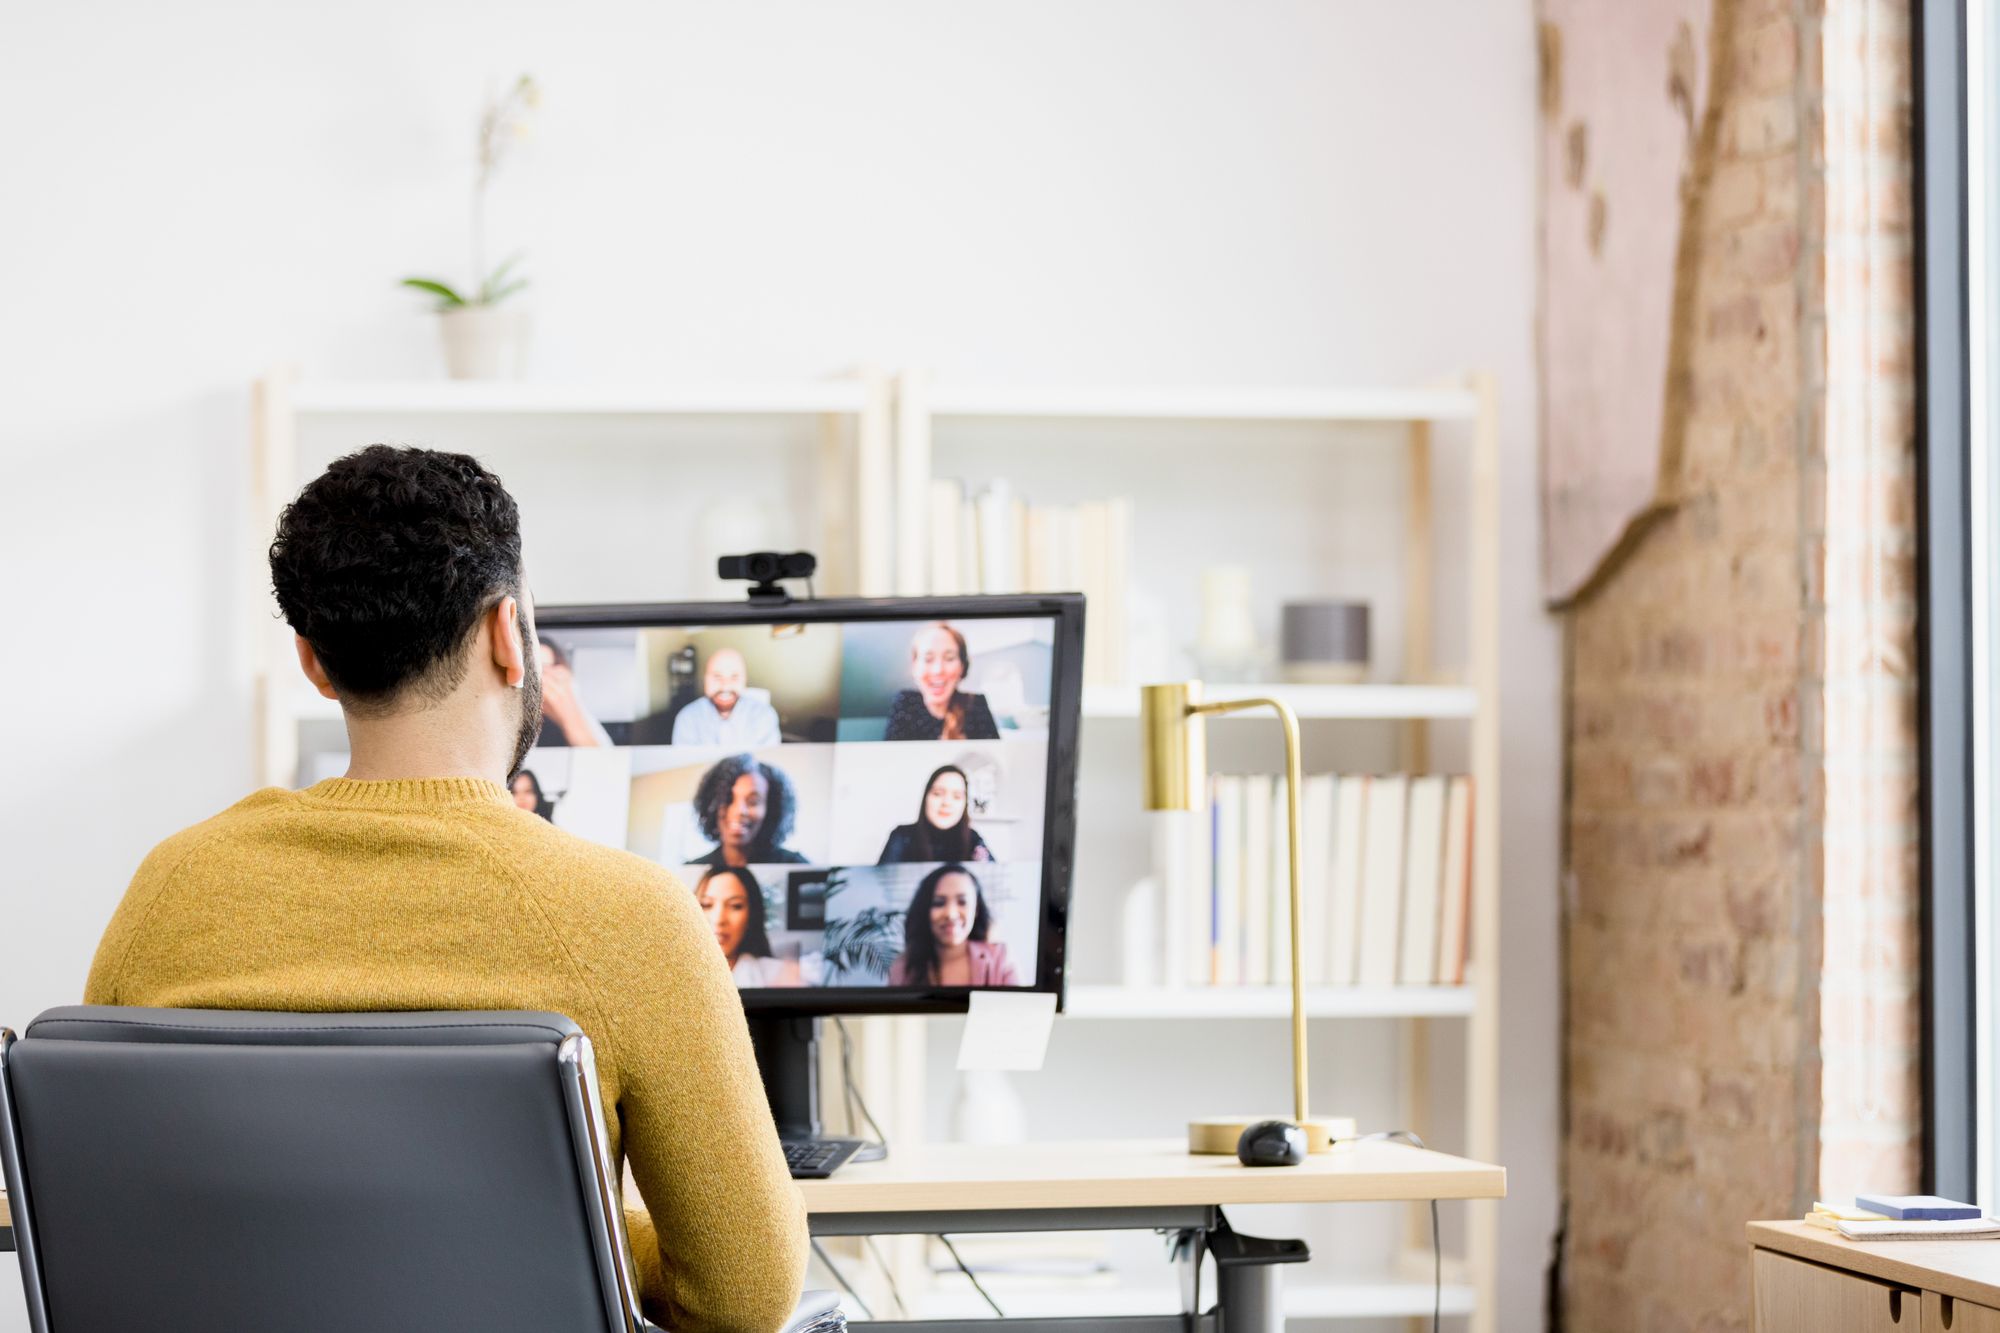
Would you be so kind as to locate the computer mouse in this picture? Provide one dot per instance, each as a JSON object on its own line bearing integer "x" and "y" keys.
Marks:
{"x": 1272, "y": 1143}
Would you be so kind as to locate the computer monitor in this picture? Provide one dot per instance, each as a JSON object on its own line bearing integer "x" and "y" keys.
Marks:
{"x": 873, "y": 800}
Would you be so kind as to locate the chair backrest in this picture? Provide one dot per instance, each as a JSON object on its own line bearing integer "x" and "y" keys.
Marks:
{"x": 210, "y": 1170}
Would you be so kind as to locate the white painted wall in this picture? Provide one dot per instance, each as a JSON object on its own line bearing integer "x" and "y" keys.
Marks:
{"x": 1230, "y": 192}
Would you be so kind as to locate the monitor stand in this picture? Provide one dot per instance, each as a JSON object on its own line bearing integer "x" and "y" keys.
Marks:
{"x": 788, "y": 1059}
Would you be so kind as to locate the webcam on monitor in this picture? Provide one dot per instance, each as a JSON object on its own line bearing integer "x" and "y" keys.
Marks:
{"x": 763, "y": 570}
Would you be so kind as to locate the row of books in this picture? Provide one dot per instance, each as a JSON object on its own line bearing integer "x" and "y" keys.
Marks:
{"x": 994, "y": 541}
{"x": 1386, "y": 889}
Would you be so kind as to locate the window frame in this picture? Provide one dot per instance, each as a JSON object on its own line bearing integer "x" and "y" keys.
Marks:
{"x": 1957, "y": 1151}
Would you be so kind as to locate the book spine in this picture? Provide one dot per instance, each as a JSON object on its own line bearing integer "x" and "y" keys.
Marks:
{"x": 1456, "y": 911}
{"x": 1229, "y": 808}
{"x": 1422, "y": 874}
{"x": 1315, "y": 945}
{"x": 947, "y": 507}
{"x": 1349, "y": 861}
{"x": 1257, "y": 905}
{"x": 1382, "y": 882}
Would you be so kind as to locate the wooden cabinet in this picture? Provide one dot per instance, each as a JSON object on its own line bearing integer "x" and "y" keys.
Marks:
{"x": 1949, "y": 1314}
{"x": 1793, "y": 1296}
{"x": 1806, "y": 1279}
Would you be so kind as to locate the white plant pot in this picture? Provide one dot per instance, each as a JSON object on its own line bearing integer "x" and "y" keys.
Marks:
{"x": 484, "y": 342}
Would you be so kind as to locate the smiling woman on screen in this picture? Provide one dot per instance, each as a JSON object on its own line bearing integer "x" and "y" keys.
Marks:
{"x": 943, "y": 830}
{"x": 937, "y": 709}
{"x": 944, "y": 936}
{"x": 745, "y": 807}
{"x": 734, "y": 906}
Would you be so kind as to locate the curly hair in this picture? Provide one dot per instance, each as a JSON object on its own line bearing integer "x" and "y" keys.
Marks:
{"x": 385, "y": 563}
{"x": 919, "y": 944}
{"x": 711, "y": 798}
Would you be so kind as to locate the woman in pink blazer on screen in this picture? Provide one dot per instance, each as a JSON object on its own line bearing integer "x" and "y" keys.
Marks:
{"x": 944, "y": 936}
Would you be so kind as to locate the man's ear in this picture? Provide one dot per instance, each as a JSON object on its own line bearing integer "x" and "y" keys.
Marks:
{"x": 503, "y": 628}
{"x": 309, "y": 663}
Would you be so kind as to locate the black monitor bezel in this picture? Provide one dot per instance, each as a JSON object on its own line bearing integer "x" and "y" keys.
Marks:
{"x": 1059, "y": 814}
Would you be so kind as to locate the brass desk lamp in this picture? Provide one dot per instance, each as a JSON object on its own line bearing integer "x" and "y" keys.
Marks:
{"x": 1173, "y": 733}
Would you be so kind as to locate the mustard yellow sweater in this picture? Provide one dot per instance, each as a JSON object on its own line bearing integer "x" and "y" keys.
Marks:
{"x": 441, "y": 894}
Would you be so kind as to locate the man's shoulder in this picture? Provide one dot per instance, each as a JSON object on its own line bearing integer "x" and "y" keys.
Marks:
{"x": 574, "y": 863}
{"x": 175, "y": 848}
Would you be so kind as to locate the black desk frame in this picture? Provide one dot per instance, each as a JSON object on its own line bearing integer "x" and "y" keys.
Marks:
{"x": 1249, "y": 1295}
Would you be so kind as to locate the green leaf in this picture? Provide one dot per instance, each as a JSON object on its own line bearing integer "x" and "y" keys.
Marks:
{"x": 495, "y": 298}
{"x": 446, "y": 297}
{"x": 496, "y": 279}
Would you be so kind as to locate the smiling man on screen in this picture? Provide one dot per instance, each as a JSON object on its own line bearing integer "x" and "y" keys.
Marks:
{"x": 415, "y": 882}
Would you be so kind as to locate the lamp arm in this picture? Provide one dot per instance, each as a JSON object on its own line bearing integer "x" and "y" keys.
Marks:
{"x": 1294, "y": 781}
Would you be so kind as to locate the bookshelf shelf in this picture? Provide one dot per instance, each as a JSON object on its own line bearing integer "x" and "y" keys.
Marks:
{"x": 1194, "y": 1002}
{"x": 1357, "y": 702}
{"x": 530, "y": 398}
{"x": 1272, "y": 404}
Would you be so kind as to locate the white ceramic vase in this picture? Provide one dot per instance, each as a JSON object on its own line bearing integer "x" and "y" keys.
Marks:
{"x": 483, "y": 342}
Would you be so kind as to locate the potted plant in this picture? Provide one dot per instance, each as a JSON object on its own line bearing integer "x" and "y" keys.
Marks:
{"x": 479, "y": 335}
{"x": 859, "y": 949}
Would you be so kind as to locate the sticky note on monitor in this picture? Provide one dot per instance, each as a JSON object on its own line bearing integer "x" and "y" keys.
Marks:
{"x": 1007, "y": 1030}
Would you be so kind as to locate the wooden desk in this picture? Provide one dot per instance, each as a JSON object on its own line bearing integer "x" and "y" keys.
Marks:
{"x": 1115, "y": 1185}
{"x": 1149, "y": 1185}
{"x": 1806, "y": 1277}
{"x": 1150, "y": 1173}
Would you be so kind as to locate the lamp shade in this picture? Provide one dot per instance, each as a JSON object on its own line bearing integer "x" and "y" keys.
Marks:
{"x": 1176, "y": 746}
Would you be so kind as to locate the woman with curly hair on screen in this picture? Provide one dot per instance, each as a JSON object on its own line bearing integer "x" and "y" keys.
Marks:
{"x": 733, "y": 902}
{"x": 943, "y": 829}
{"x": 944, "y": 936}
{"x": 745, "y": 807}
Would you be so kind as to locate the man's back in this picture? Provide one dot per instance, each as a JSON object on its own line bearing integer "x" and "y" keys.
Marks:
{"x": 441, "y": 894}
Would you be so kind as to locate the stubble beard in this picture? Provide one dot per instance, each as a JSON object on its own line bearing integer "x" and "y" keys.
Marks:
{"x": 531, "y": 701}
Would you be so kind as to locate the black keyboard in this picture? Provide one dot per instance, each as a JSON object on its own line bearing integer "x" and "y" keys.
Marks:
{"x": 816, "y": 1159}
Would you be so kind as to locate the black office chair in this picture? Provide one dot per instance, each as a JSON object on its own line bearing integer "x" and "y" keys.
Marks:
{"x": 210, "y": 1171}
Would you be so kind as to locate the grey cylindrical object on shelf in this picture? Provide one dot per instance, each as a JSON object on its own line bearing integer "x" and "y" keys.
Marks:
{"x": 1325, "y": 641}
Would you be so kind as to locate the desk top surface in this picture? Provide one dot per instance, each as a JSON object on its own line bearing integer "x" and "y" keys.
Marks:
{"x": 1138, "y": 1173}
{"x": 1966, "y": 1269}
{"x": 1133, "y": 1174}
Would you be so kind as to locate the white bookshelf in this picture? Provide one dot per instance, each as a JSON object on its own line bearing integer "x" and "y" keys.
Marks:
{"x": 1212, "y": 1002}
{"x": 1189, "y": 474}
{"x": 854, "y": 482}
{"x": 875, "y": 465}
{"x": 1206, "y": 404}
{"x": 1328, "y": 702}
{"x": 531, "y": 398}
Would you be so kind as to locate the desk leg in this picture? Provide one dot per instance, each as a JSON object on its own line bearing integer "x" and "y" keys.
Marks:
{"x": 1250, "y": 1300}
{"x": 1249, "y": 1289}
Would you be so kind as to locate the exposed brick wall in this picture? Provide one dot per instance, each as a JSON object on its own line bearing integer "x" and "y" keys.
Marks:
{"x": 1740, "y": 716}
{"x": 1863, "y": 571}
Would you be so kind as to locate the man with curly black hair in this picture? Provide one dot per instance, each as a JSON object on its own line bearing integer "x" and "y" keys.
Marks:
{"x": 745, "y": 807}
{"x": 416, "y": 882}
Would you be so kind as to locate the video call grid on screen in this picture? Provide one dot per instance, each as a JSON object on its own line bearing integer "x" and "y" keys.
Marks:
{"x": 818, "y": 773}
